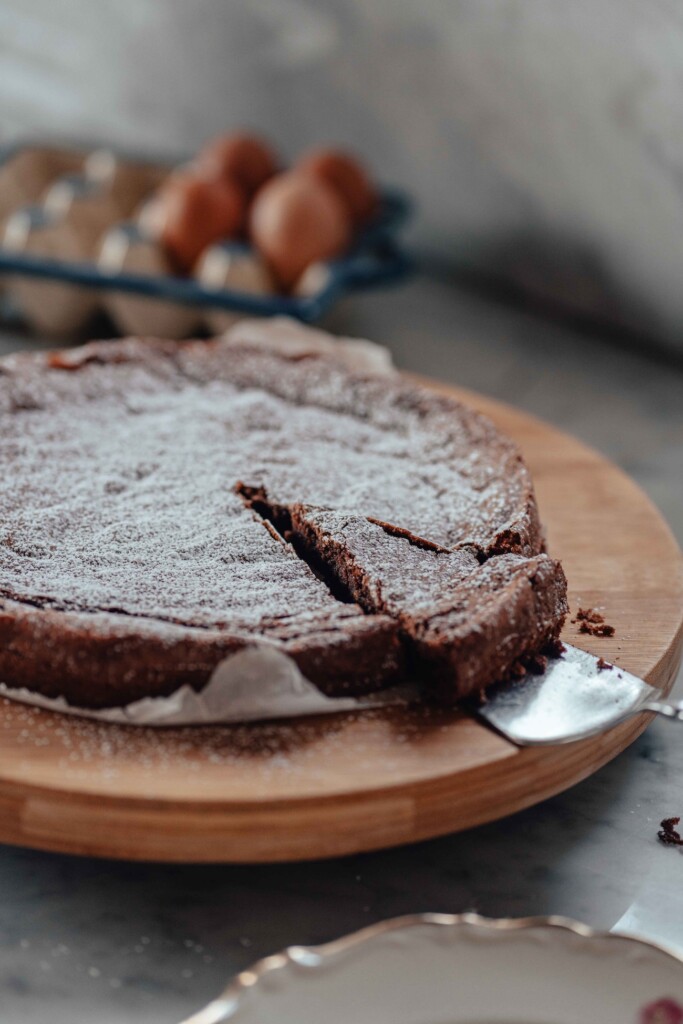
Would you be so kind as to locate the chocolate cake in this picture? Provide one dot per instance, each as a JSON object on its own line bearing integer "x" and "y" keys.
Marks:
{"x": 167, "y": 504}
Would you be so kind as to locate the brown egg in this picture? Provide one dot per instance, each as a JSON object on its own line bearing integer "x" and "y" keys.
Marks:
{"x": 195, "y": 213}
{"x": 129, "y": 250}
{"x": 296, "y": 220}
{"x": 242, "y": 158}
{"x": 346, "y": 176}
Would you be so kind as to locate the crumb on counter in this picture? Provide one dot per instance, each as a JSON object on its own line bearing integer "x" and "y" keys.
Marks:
{"x": 668, "y": 833}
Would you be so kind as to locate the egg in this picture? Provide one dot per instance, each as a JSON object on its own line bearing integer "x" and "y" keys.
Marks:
{"x": 245, "y": 159}
{"x": 315, "y": 278}
{"x": 88, "y": 207}
{"x": 54, "y": 308}
{"x": 295, "y": 221}
{"x": 25, "y": 175}
{"x": 194, "y": 213}
{"x": 127, "y": 248}
{"x": 346, "y": 176}
{"x": 234, "y": 268}
{"x": 127, "y": 181}
{"x": 150, "y": 216}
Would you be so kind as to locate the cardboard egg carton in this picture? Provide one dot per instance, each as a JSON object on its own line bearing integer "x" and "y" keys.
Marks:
{"x": 77, "y": 236}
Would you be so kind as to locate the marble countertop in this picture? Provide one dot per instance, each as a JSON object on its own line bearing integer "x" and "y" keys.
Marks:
{"x": 85, "y": 940}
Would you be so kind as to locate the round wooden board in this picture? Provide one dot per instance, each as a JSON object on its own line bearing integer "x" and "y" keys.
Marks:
{"x": 349, "y": 782}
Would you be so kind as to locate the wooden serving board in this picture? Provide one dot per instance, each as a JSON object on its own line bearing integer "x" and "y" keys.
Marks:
{"x": 343, "y": 783}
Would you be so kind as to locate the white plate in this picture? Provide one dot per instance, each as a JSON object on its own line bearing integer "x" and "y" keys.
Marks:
{"x": 445, "y": 969}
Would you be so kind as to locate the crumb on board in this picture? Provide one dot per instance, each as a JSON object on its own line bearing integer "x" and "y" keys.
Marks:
{"x": 602, "y": 665}
{"x": 593, "y": 622}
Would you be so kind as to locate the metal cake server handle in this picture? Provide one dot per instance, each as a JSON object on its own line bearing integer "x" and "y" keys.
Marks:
{"x": 674, "y": 712}
{"x": 577, "y": 696}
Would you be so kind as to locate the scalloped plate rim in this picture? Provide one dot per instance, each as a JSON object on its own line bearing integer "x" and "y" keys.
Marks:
{"x": 224, "y": 1008}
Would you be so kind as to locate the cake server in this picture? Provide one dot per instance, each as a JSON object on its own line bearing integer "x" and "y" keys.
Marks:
{"x": 577, "y": 696}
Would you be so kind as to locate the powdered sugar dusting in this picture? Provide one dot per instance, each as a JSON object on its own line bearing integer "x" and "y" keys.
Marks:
{"x": 126, "y": 501}
{"x": 100, "y": 756}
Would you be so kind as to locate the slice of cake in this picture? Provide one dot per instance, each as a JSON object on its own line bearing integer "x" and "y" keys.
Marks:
{"x": 460, "y": 620}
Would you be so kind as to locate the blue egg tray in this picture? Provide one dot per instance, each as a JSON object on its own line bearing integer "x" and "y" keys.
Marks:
{"x": 376, "y": 259}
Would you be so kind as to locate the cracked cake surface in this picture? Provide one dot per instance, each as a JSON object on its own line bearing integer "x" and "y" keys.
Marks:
{"x": 166, "y": 504}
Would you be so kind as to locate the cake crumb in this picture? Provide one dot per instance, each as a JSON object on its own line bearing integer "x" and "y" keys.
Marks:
{"x": 596, "y": 629}
{"x": 537, "y": 664}
{"x": 554, "y": 649}
{"x": 588, "y": 615}
{"x": 602, "y": 665}
{"x": 517, "y": 670}
{"x": 668, "y": 833}
{"x": 593, "y": 622}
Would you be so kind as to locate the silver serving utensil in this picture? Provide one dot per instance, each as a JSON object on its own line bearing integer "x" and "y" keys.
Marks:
{"x": 571, "y": 700}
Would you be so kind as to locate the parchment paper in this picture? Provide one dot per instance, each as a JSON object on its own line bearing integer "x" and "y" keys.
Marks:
{"x": 260, "y": 682}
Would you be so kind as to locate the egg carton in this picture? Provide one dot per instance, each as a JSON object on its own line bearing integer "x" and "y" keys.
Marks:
{"x": 74, "y": 240}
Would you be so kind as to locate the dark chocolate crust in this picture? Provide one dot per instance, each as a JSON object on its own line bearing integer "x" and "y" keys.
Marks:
{"x": 167, "y": 504}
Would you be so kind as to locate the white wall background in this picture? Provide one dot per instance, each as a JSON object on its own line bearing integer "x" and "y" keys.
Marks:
{"x": 544, "y": 139}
